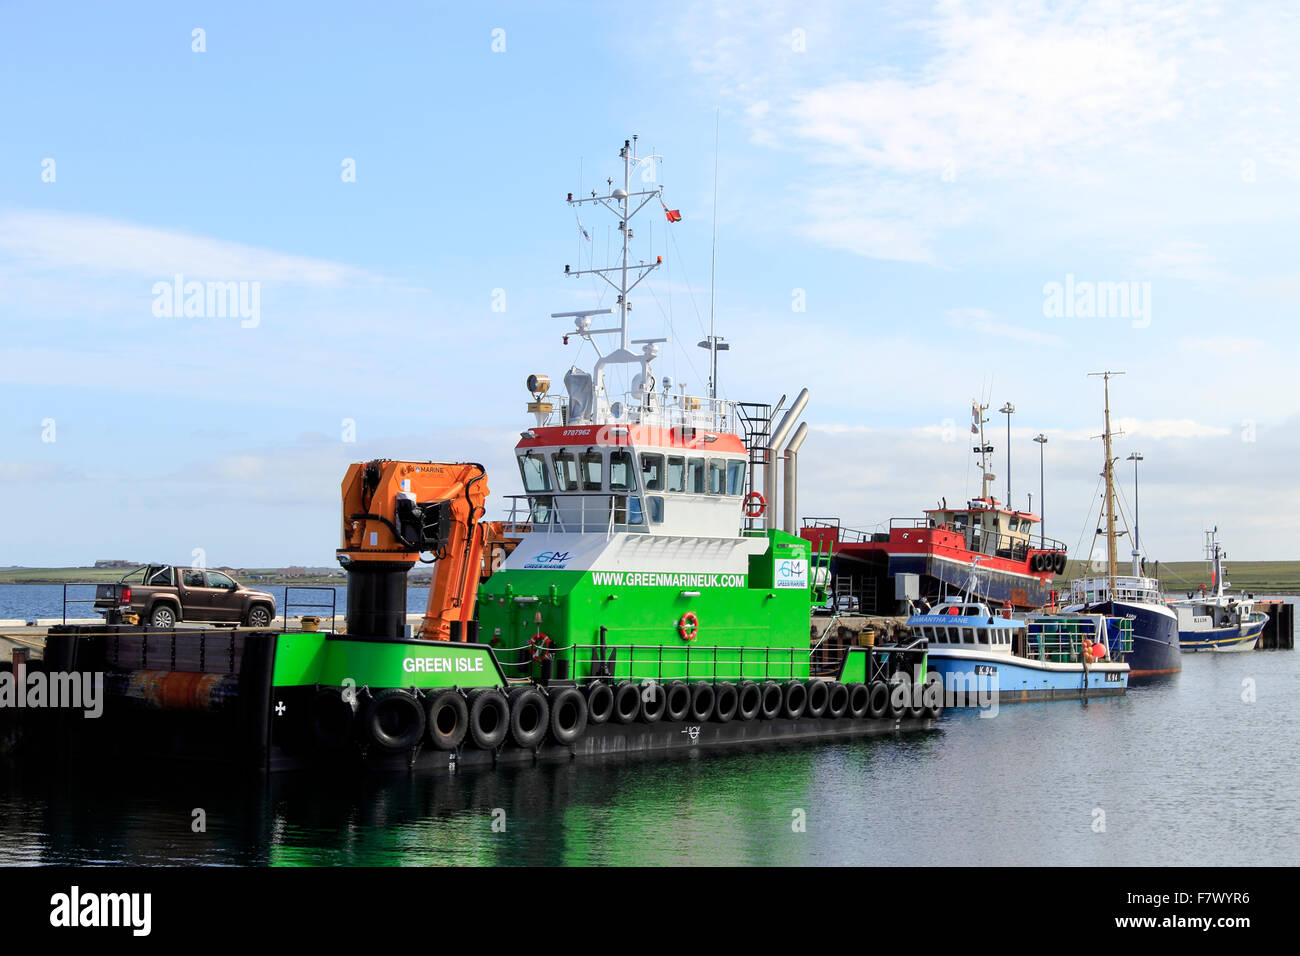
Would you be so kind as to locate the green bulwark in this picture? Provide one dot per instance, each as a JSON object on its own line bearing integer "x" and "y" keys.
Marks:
{"x": 305, "y": 659}
{"x": 638, "y": 625}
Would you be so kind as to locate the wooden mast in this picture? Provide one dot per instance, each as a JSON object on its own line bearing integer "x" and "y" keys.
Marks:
{"x": 1109, "y": 473}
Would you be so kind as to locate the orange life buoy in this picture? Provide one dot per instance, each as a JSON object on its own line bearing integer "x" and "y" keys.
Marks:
{"x": 755, "y": 505}
{"x": 541, "y": 647}
{"x": 689, "y": 626}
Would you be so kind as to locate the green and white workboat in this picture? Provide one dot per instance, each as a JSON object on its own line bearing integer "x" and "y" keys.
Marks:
{"x": 651, "y": 601}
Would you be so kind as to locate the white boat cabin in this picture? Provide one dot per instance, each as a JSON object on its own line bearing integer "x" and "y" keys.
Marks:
{"x": 989, "y": 528}
{"x": 966, "y": 624}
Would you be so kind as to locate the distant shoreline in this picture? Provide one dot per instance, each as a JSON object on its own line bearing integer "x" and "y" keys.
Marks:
{"x": 57, "y": 576}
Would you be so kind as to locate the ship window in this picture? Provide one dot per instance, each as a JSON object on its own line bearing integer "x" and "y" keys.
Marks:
{"x": 968, "y": 635}
{"x": 654, "y": 507}
{"x": 981, "y": 635}
{"x": 676, "y": 474}
{"x": 695, "y": 476}
{"x": 539, "y": 509}
{"x": 566, "y": 471}
{"x": 533, "y": 469}
{"x": 620, "y": 472}
{"x": 652, "y": 472}
{"x": 717, "y": 476}
{"x": 735, "y": 478}
{"x": 634, "y": 513}
{"x": 593, "y": 466}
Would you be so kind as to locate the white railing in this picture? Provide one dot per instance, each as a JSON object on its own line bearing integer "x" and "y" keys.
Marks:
{"x": 590, "y": 513}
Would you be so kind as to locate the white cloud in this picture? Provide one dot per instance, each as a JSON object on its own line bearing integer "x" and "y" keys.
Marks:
{"x": 984, "y": 322}
{"x": 60, "y": 242}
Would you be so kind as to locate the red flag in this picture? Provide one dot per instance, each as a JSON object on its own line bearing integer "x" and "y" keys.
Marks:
{"x": 673, "y": 215}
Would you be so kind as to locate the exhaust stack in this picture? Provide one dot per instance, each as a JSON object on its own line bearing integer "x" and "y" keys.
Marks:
{"x": 792, "y": 478}
{"x": 775, "y": 444}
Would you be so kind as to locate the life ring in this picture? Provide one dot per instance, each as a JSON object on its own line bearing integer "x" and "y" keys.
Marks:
{"x": 755, "y": 505}
{"x": 541, "y": 647}
{"x": 689, "y": 626}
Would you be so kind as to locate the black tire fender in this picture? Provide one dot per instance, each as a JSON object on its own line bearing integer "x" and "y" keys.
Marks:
{"x": 568, "y": 716}
{"x": 818, "y": 697}
{"x": 878, "y": 699}
{"x": 772, "y": 699}
{"x": 394, "y": 720}
{"x": 702, "y": 698}
{"x": 677, "y": 701}
{"x": 627, "y": 702}
{"x": 530, "y": 717}
{"x": 837, "y": 700}
{"x": 446, "y": 717}
{"x": 859, "y": 700}
{"x": 749, "y": 700}
{"x": 794, "y": 700}
{"x": 489, "y": 718}
{"x": 725, "y": 702}
{"x": 600, "y": 702}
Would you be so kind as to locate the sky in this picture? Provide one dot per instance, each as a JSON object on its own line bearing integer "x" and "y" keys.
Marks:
{"x": 918, "y": 205}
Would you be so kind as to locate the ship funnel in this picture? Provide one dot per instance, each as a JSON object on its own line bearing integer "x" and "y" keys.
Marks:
{"x": 774, "y": 446}
{"x": 792, "y": 478}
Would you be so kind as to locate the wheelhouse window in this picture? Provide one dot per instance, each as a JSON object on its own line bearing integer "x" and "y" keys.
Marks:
{"x": 676, "y": 473}
{"x": 620, "y": 472}
{"x": 717, "y": 476}
{"x": 654, "y": 509}
{"x": 695, "y": 476}
{"x": 566, "y": 471}
{"x": 593, "y": 467}
{"x": 736, "y": 478}
{"x": 535, "y": 474}
{"x": 652, "y": 472}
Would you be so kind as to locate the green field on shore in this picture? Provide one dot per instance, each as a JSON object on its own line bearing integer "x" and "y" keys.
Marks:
{"x": 1263, "y": 577}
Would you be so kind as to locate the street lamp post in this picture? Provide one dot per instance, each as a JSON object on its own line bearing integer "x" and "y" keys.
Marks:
{"x": 1042, "y": 520}
{"x": 1008, "y": 410}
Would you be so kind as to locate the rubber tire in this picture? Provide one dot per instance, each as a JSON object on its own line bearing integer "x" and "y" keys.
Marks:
{"x": 678, "y": 702}
{"x": 1036, "y": 563}
{"x": 436, "y": 708}
{"x": 896, "y": 711}
{"x": 772, "y": 700}
{"x": 489, "y": 718}
{"x": 725, "y": 702}
{"x": 530, "y": 717}
{"x": 818, "y": 697}
{"x": 600, "y": 703}
{"x": 931, "y": 711}
{"x": 652, "y": 711}
{"x": 794, "y": 700}
{"x": 859, "y": 701}
{"x": 393, "y": 700}
{"x": 167, "y": 611}
{"x": 749, "y": 700}
{"x": 330, "y": 703}
{"x": 1060, "y": 563}
{"x": 702, "y": 699}
{"x": 878, "y": 700}
{"x": 627, "y": 703}
{"x": 568, "y": 716}
{"x": 258, "y": 609}
{"x": 837, "y": 700}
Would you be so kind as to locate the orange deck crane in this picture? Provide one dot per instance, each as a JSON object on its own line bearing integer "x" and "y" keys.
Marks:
{"x": 396, "y": 511}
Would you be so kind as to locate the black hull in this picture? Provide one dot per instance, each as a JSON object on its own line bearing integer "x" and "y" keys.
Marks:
{"x": 1156, "y": 650}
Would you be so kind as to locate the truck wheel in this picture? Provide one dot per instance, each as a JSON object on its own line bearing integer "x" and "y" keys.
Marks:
{"x": 162, "y": 616}
{"x": 258, "y": 616}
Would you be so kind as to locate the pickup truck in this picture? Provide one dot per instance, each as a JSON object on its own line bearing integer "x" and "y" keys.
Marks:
{"x": 163, "y": 594}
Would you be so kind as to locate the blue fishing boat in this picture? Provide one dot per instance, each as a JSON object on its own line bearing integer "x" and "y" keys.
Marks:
{"x": 984, "y": 657}
{"x": 1133, "y": 596}
{"x": 1217, "y": 621}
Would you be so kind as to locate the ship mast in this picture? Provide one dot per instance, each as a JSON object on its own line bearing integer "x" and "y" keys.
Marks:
{"x": 625, "y": 276}
{"x": 982, "y": 449}
{"x": 1109, "y": 473}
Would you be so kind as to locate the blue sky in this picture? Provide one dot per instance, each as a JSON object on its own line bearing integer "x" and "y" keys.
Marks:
{"x": 918, "y": 173}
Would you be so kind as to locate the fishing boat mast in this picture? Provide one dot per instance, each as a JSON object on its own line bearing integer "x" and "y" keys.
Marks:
{"x": 983, "y": 449}
{"x": 1109, "y": 474}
